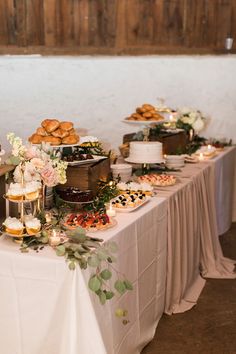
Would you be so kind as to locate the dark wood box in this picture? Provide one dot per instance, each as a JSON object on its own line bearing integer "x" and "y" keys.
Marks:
{"x": 172, "y": 142}
{"x": 87, "y": 176}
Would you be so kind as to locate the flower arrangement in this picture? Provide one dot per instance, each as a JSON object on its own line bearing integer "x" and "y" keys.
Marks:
{"x": 188, "y": 118}
{"x": 38, "y": 163}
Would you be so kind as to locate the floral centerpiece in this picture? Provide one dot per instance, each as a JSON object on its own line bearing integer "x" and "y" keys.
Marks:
{"x": 188, "y": 118}
{"x": 37, "y": 163}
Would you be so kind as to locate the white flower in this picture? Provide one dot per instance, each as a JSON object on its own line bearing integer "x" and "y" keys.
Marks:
{"x": 198, "y": 125}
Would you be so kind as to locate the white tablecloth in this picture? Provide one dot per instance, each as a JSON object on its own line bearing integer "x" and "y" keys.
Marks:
{"x": 47, "y": 309}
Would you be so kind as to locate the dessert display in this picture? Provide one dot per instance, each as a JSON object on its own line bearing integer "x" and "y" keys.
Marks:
{"x": 27, "y": 192}
{"x": 134, "y": 187}
{"x": 75, "y": 195}
{"x": 32, "y": 225}
{"x": 129, "y": 201}
{"x": 54, "y": 132}
{"x": 76, "y": 156}
{"x": 158, "y": 180}
{"x": 145, "y": 152}
{"x": 146, "y": 112}
{"x": 91, "y": 221}
{"x": 13, "y": 226}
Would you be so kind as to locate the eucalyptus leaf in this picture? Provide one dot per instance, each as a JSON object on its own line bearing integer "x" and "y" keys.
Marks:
{"x": 93, "y": 261}
{"x": 60, "y": 250}
{"x": 106, "y": 274}
{"x": 102, "y": 254}
{"x": 128, "y": 285}
{"x": 120, "y": 286}
{"x": 113, "y": 247}
{"x": 77, "y": 255}
{"x": 44, "y": 239}
{"x": 72, "y": 265}
{"x": 109, "y": 295}
{"x": 102, "y": 297}
{"x": 94, "y": 283}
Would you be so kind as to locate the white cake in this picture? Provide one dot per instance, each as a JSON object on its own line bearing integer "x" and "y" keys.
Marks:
{"x": 145, "y": 152}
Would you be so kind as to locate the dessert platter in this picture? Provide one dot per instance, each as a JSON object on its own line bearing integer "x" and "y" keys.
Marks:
{"x": 149, "y": 152}
{"x": 75, "y": 195}
{"x": 134, "y": 187}
{"x": 129, "y": 201}
{"x": 16, "y": 228}
{"x": 56, "y": 133}
{"x": 146, "y": 114}
{"x": 76, "y": 158}
{"x": 90, "y": 221}
{"x": 162, "y": 180}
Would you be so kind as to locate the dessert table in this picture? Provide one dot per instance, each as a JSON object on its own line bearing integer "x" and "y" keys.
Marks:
{"x": 47, "y": 308}
{"x": 194, "y": 250}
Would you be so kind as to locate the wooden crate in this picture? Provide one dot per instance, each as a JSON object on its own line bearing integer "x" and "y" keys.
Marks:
{"x": 172, "y": 142}
{"x": 87, "y": 176}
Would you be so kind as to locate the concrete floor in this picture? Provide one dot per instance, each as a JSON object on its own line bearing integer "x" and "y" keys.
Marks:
{"x": 208, "y": 328}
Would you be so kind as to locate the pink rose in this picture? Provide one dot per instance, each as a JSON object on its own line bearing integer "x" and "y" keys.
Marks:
{"x": 49, "y": 176}
{"x": 31, "y": 152}
{"x": 37, "y": 163}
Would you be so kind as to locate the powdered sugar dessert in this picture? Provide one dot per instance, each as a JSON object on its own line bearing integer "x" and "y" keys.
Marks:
{"x": 13, "y": 226}
{"x": 32, "y": 225}
{"x": 135, "y": 187}
{"x": 145, "y": 152}
{"x": 158, "y": 180}
{"x": 15, "y": 192}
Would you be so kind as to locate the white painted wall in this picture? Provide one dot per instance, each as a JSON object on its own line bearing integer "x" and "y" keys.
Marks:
{"x": 96, "y": 93}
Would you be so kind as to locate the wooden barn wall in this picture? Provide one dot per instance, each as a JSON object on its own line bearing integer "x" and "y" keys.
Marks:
{"x": 116, "y": 26}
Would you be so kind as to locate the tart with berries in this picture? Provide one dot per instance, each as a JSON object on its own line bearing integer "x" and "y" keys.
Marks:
{"x": 90, "y": 221}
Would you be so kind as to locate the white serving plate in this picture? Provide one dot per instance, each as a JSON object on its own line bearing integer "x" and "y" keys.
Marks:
{"x": 141, "y": 161}
{"x": 144, "y": 122}
{"x": 130, "y": 210}
{"x": 83, "y": 162}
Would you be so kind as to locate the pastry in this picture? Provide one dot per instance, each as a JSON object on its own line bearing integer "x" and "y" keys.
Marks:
{"x": 41, "y": 131}
{"x": 45, "y": 122}
{"x": 70, "y": 140}
{"x": 91, "y": 221}
{"x": 15, "y": 192}
{"x": 158, "y": 180}
{"x": 13, "y": 226}
{"x": 129, "y": 200}
{"x": 36, "y": 139}
{"x": 51, "y": 125}
{"x": 60, "y": 133}
{"x": 32, "y": 225}
{"x": 72, "y": 132}
{"x": 31, "y": 190}
{"x": 52, "y": 140}
{"x": 66, "y": 125}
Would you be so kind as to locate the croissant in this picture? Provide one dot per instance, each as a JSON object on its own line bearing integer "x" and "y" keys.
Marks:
{"x": 52, "y": 140}
{"x": 41, "y": 131}
{"x": 60, "y": 133}
{"x": 50, "y": 125}
{"x": 66, "y": 125}
{"x": 36, "y": 139}
{"x": 71, "y": 139}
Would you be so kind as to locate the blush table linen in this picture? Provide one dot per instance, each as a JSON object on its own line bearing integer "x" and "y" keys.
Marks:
{"x": 194, "y": 251}
{"x": 46, "y": 308}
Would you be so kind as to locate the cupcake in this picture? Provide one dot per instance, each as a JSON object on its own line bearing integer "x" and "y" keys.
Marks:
{"x": 13, "y": 226}
{"x": 31, "y": 190}
{"x": 15, "y": 192}
{"x": 32, "y": 225}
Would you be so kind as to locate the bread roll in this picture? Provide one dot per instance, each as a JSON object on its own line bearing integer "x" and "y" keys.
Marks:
{"x": 60, "y": 133}
{"x": 36, "y": 139}
{"x": 147, "y": 115}
{"x": 41, "y": 131}
{"x": 147, "y": 106}
{"x": 52, "y": 140}
{"x": 70, "y": 140}
{"x": 51, "y": 125}
{"x": 72, "y": 132}
{"x": 66, "y": 125}
{"x": 45, "y": 122}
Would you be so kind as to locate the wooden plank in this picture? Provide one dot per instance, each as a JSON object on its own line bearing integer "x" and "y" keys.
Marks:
{"x": 7, "y": 22}
{"x": 50, "y": 24}
{"x": 20, "y": 21}
{"x": 34, "y": 19}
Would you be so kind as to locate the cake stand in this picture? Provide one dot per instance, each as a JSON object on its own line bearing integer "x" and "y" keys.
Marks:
{"x": 145, "y": 125}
